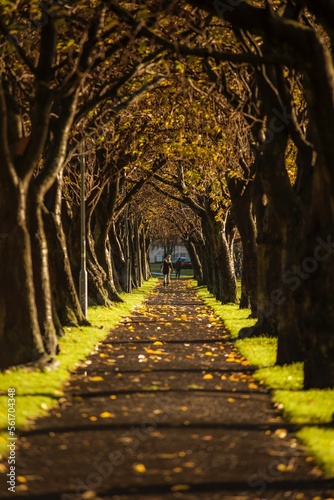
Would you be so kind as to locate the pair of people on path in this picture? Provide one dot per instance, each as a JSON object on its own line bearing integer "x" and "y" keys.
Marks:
{"x": 167, "y": 269}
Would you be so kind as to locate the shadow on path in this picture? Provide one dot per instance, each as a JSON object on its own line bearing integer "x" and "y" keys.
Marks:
{"x": 165, "y": 408}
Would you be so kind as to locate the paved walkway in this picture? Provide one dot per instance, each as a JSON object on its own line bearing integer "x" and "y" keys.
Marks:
{"x": 165, "y": 409}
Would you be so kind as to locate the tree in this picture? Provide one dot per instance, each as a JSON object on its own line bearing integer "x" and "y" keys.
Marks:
{"x": 74, "y": 51}
{"x": 291, "y": 38}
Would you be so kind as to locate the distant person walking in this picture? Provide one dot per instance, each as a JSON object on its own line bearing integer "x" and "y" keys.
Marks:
{"x": 167, "y": 268}
{"x": 178, "y": 266}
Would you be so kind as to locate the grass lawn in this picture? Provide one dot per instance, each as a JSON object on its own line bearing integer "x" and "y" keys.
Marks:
{"x": 37, "y": 391}
{"x": 310, "y": 409}
{"x": 185, "y": 273}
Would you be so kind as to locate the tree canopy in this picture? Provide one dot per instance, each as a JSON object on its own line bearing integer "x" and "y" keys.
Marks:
{"x": 215, "y": 117}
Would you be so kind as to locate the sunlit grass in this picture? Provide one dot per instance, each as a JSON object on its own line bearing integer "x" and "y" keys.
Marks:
{"x": 289, "y": 377}
{"x": 320, "y": 443}
{"x": 315, "y": 406}
{"x": 37, "y": 391}
{"x": 234, "y": 317}
{"x": 260, "y": 351}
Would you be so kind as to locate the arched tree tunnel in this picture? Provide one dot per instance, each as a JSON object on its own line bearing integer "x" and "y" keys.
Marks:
{"x": 215, "y": 117}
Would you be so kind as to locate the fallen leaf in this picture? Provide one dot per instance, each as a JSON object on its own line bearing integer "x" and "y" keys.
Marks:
{"x": 152, "y": 351}
{"x": 208, "y": 376}
{"x": 281, "y": 433}
{"x": 106, "y": 414}
{"x": 97, "y": 378}
{"x": 208, "y": 437}
{"x": 22, "y": 487}
{"x": 139, "y": 468}
{"x": 180, "y": 487}
{"x": 285, "y": 468}
{"x": 282, "y": 467}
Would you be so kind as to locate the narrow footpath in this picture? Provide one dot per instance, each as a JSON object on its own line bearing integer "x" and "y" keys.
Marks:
{"x": 165, "y": 408}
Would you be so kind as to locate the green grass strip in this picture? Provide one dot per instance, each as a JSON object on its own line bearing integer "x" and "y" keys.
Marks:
{"x": 320, "y": 443}
{"x": 234, "y": 318}
{"x": 311, "y": 408}
{"x": 37, "y": 391}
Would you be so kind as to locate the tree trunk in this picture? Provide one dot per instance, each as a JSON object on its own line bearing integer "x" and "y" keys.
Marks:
{"x": 228, "y": 285}
{"x": 224, "y": 282}
{"x": 133, "y": 256}
{"x": 117, "y": 255}
{"x": 124, "y": 242}
{"x": 104, "y": 259}
{"x": 144, "y": 242}
{"x": 65, "y": 296}
{"x": 240, "y": 192}
{"x": 290, "y": 346}
{"x": 317, "y": 288}
{"x": 20, "y": 336}
{"x": 138, "y": 252}
{"x": 194, "y": 257}
{"x": 41, "y": 274}
{"x": 269, "y": 252}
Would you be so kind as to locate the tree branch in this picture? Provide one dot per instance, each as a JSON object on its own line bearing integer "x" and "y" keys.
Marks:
{"x": 19, "y": 49}
{"x": 112, "y": 92}
{"x": 136, "y": 188}
{"x": 197, "y": 51}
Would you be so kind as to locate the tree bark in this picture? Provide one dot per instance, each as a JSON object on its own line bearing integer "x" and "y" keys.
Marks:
{"x": 145, "y": 242}
{"x": 117, "y": 253}
{"x": 41, "y": 275}
{"x": 317, "y": 288}
{"x": 17, "y": 288}
{"x": 65, "y": 297}
{"x": 20, "y": 336}
{"x": 240, "y": 192}
{"x": 196, "y": 262}
{"x": 223, "y": 284}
